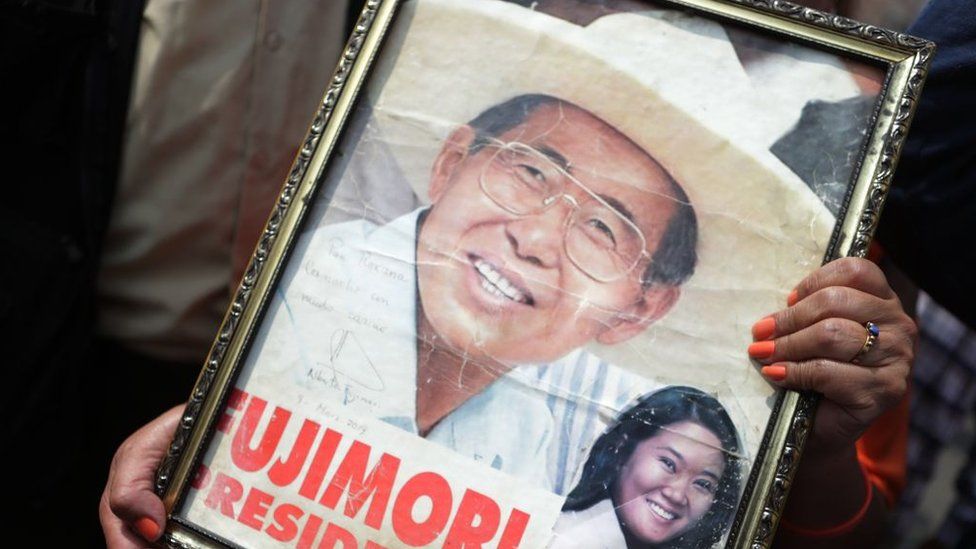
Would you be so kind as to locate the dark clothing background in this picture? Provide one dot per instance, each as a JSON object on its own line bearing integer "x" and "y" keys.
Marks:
{"x": 930, "y": 217}
{"x": 66, "y": 70}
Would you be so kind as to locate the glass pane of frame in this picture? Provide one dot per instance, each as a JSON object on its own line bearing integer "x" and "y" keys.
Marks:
{"x": 507, "y": 294}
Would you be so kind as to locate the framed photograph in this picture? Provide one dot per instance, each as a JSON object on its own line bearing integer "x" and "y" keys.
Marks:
{"x": 521, "y": 242}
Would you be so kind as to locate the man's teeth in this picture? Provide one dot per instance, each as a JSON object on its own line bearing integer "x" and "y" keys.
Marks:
{"x": 496, "y": 284}
{"x": 661, "y": 511}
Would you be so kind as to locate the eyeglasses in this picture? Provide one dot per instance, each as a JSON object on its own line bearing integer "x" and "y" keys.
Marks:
{"x": 600, "y": 240}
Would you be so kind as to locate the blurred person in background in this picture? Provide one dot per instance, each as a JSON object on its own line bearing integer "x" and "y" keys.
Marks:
{"x": 145, "y": 143}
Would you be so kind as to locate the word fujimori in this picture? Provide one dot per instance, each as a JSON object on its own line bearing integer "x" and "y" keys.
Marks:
{"x": 424, "y": 509}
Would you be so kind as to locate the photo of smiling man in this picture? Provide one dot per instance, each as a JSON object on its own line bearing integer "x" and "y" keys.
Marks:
{"x": 498, "y": 273}
{"x": 560, "y": 244}
{"x": 504, "y": 259}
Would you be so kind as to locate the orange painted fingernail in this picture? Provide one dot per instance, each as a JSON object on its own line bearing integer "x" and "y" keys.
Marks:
{"x": 147, "y": 528}
{"x": 776, "y": 372}
{"x": 762, "y": 349}
{"x": 792, "y": 298}
{"x": 764, "y": 328}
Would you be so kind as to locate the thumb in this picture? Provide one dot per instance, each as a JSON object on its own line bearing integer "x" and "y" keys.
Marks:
{"x": 129, "y": 492}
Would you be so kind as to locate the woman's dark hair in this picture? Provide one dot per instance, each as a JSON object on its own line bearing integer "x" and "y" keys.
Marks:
{"x": 642, "y": 421}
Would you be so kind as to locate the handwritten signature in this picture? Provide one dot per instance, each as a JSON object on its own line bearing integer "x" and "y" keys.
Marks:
{"x": 345, "y": 348}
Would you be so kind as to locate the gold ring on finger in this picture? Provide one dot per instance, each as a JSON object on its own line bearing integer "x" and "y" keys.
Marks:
{"x": 872, "y": 332}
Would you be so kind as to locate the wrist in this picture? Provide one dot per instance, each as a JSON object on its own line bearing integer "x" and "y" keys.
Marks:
{"x": 839, "y": 528}
{"x": 829, "y": 489}
{"x": 818, "y": 457}
{"x": 828, "y": 451}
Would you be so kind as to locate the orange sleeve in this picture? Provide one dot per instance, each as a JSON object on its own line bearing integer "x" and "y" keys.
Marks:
{"x": 882, "y": 451}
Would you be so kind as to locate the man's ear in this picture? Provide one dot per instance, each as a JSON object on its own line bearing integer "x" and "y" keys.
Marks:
{"x": 655, "y": 303}
{"x": 454, "y": 151}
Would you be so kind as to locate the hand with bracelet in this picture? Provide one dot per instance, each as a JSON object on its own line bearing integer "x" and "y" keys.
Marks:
{"x": 845, "y": 335}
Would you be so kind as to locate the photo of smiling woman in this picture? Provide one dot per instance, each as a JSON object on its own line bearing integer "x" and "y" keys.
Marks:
{"x": 666, "y": 474}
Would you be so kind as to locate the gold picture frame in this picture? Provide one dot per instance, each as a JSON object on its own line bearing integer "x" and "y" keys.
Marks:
{"x": 902, "y": 61}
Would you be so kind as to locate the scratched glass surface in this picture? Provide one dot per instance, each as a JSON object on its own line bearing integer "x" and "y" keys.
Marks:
{"x": 517, "y": 314}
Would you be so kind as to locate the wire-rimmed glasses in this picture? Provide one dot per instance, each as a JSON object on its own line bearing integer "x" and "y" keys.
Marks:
{"x": 599, "y": 239}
